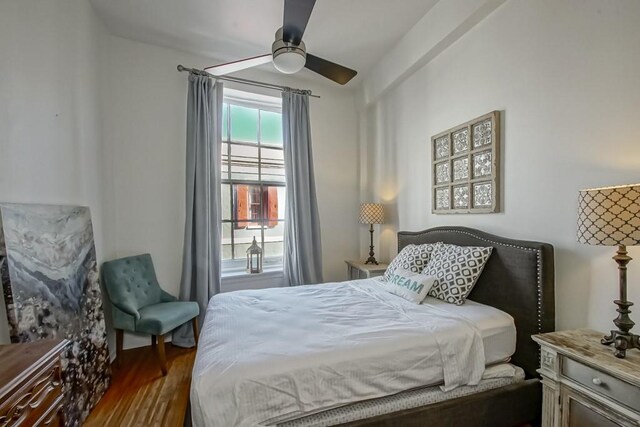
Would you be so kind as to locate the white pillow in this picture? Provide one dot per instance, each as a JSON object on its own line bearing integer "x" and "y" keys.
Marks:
{"x": 408, "y": 285}
{"x": 411, "y": 258}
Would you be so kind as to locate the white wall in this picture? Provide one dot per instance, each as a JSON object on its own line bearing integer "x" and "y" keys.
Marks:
{"x": 49, "y": 115}
{"x": 144, "y": 131}
{"x": 565, "y": 75}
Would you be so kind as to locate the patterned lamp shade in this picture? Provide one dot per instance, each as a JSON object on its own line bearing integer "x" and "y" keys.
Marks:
{"x": 371, "y": 213}
{"x": 609, "y": 216}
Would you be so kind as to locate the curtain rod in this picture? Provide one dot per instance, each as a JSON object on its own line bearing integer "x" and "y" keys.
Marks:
{"x": 245, "y": 81}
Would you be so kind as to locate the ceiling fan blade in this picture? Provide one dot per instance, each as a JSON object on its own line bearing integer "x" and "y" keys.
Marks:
{"x": 242, "y": 64}
{"x": 330, "y": 70}
{"x": 296, "y": 17}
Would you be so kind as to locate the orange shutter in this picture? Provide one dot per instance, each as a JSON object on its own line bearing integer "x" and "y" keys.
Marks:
{"x": 242, "y": 205}
{"x": 273, "y": 206}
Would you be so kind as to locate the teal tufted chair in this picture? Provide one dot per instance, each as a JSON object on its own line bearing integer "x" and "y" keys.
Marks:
{"x": 140, "y": 305}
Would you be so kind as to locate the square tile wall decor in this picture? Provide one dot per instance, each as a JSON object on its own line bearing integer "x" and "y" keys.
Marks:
{"x": 52, "y": 291}
{"x": 466, "y": 167}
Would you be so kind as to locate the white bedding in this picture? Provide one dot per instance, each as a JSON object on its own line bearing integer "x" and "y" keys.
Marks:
{"x": 494, "y": 377}
{"x": 497, "y": 327}
{"x": 266, "y": 354}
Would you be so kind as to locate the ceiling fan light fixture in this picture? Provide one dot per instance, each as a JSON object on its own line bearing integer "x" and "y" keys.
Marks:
{"x": 289, "y": 61}
{"x": 288, "y": 58}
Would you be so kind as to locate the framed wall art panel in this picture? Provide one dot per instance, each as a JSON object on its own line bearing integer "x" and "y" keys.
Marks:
{"x": 466, "y": 167}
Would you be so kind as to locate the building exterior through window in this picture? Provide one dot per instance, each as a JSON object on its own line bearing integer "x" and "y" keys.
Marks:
{"x": 253, "y": 184}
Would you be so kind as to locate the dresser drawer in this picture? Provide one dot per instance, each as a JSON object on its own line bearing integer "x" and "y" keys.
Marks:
{"x": 602, "y": 383}
{"x": 53, "y": 417}
{"x": 34, "y": 398}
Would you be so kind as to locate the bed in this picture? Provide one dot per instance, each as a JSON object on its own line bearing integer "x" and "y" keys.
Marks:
{"x": 332, "y": 347}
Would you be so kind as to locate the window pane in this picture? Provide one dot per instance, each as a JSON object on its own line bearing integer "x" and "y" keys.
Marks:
{"x": 243, "y": 236}
{"x": 254, "y": 208}
{"x": 244, "y": 162}
{"x": 270, "y": 128}
{"x": 226, "y": 240}
{"x": 272, "y": 205}
{"x": 226, "y": 198}
{"x": 282, "y": 200}
{"x": 225, "y": 160}
{"x": 274, "y": 240}
{"x": 272, "y": 165}
{"x": 244, "y": 124}
{"x": 241, "y": 203}
{"x": 225, "y": 121}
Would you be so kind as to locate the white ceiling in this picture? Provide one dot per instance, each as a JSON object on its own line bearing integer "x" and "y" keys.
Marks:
{"x": 353, "y": 33}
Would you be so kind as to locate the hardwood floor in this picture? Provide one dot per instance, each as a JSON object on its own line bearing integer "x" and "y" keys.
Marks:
{"x": 140, "y": 396}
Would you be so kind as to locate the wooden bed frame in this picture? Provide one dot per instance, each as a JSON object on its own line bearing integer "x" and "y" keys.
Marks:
{"x": 518, "y": 279}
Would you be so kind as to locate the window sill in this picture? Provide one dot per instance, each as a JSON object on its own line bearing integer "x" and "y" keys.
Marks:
{"x": 258, "y": 227}
{"x": 266, "y": 272}
{"x": 240, "y": 279}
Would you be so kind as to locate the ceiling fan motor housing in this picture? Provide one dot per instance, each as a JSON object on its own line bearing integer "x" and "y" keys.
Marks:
{"x": 288, "y": 58}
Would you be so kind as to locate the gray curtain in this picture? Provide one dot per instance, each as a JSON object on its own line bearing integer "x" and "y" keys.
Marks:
{"x": 302, "y": 246}
{"x": 202, "y": 233}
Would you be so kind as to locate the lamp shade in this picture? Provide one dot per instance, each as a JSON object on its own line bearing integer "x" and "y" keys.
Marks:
{"x": 371, "y": 213}
{"x": 609, "y": 216}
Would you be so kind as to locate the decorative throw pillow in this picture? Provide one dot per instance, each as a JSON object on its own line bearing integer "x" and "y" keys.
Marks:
{"x": 408, "y": 285}
{"x": 456, "y": 269}
{"x": 411, "y": 258}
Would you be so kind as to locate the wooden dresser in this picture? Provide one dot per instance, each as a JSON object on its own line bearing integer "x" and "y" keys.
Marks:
{"x": 30, "y": 384}
{"x": 584, "y": 384}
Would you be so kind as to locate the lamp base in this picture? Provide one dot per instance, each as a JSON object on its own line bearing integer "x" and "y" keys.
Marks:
{"x": 621, "y": 338}
{"x": 371, "y": 260}
{"x": 622, "y": 342}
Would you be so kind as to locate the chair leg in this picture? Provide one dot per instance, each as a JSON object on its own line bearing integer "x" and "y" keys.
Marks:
{"x": 153, "y": 340}
{"x": 119, "y": 339}
{"x": 196, "y": 332}
{"x": 161, "y": 355}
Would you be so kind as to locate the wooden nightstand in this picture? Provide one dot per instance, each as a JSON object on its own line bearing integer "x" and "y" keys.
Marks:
{"x": 360, "y": 270}
{"x": 584, "y": 384}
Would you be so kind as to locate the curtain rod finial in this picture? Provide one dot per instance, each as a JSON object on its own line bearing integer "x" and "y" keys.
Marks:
{"x": 180, "y": 68}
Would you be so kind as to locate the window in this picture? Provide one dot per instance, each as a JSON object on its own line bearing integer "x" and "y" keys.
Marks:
{"x": 253, "y": 184}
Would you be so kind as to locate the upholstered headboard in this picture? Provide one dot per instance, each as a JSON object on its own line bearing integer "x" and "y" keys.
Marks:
{"x": 518, "y": 279}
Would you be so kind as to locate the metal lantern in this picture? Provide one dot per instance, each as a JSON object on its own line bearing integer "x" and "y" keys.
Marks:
{"x": 254, "y": 258}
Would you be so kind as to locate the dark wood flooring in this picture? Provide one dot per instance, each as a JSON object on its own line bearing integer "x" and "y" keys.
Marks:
{"x": 140, "y": 396}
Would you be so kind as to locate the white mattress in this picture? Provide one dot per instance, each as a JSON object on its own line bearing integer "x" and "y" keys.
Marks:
{"x": 495, "y": 376}
{"x": 497, "y": 327}
{"x": 289, "y": 352}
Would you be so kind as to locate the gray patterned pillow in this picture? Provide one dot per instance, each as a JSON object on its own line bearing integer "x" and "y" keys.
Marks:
{"x": 456, "y": 269}
{"x": 411, "y": 258}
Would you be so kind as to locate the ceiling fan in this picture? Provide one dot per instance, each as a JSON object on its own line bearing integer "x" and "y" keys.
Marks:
{"x": 288, "y": 51}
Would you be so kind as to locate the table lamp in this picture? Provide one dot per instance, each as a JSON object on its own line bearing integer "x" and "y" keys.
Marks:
{"x": 611, "y": 217}
{"x": 371, "y": 213}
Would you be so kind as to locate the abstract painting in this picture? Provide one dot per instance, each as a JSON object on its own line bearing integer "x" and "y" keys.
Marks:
{"x": 52, "y": 291}
{"x": 465, "y": 162}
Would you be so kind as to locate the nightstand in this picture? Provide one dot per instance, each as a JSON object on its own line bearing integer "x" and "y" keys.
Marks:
{"x": 360, "y": 270}
{"x": 584, "y": 384}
